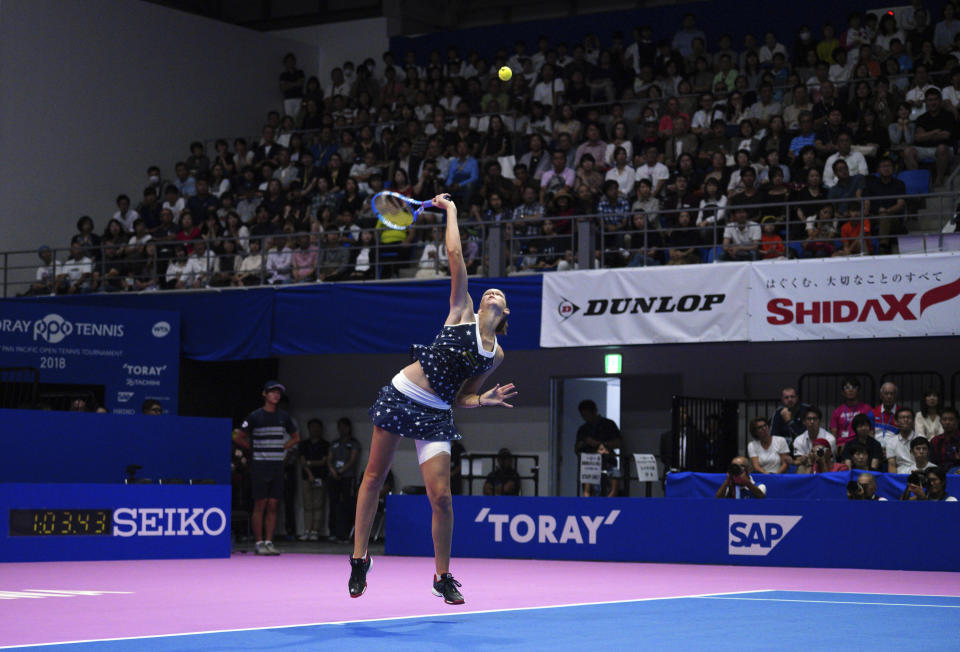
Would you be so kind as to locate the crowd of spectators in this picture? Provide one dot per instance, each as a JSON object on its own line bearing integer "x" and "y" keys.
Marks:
{"x": 744, "y": 148}
{"x": 886, "y": 438}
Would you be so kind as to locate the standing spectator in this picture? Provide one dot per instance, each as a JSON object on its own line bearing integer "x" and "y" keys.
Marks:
{"x": 596, "y": 431}
{"x": 889, "y": 210}
{"x": 683, "y": 39}
{"x": 263, "y": 431}
{"x": 927, "y": 420}
{"x": 738, "y": 483}
{"x": 841, "y": 422}
{"x": 946, "y": 446}
{"x": 313, "y": 453}
{"x": 291, "y": 85}
{"x": 789, "y": 419}
{"x": 342, "y": 465}
{"x": 885, "y": 414}
{"x": 768, "y": 454}
{"x": 936, "y": 136}
{"x": 897, "y": 445}
{"x": 803, "y": 443}
{"x": 863, "y": 427}
{"x": 504, "y": 479}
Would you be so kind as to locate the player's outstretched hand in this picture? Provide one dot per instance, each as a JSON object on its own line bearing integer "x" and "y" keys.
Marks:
{"x": 499, "y": 395}
{"x": 442, "y": 201}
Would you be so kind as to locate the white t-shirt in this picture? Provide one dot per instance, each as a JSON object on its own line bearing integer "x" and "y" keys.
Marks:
{"x": 543, "y": 92}
{"x": 74, "y": 269}
{"x": 769, "y": 458}
{"x": 656, "y": 173}
{"x": 749, "y": 234}
{"x": 802, "y": 444}
{"x": 625, "y": 179}
{"x": 899, "y": 449}
{"x": 855, "y": 162}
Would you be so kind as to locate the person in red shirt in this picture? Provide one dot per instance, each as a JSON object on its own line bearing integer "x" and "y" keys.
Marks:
{"x": 841, "y": 423}
{"x": 771, "y": 244}
{"x": 945, "y": 448}
{"x": 855, "y": 235}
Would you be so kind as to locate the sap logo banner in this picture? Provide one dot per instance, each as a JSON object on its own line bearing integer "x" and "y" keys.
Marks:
{"x": 522, "y": 528}
{"x": 757, "y": 534}
{"x": 168, "y": 521}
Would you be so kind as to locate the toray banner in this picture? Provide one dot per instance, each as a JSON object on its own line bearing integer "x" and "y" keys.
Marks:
{"x": 767, "y": 532}
{"x": 645, "y": 306}
{"x": 134, "y": 354}
{"x": 858, "y": 297}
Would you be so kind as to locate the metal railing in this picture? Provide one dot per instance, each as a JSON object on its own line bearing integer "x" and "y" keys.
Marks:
{"x": 491, "y": 248}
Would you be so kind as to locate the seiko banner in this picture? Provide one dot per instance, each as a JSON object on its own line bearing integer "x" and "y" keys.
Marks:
{"x": 134, "y": 354}
{"x": 75, "y": 522}
{"x": 865, "y": 297}
{"x": 645, "y": 306}
{"x": 700, "y": 531}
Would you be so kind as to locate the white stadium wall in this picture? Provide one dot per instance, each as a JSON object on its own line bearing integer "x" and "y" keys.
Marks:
{"x": 96, "y": 91}
{"x": 334, "y": 43}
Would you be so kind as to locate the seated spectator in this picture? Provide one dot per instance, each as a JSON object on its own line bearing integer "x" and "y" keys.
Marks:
{"x": 653, "y": 171}
{"x": 859, "y": 458}
{"x": 936, "y": 136}
{"x": 125, "y": 215}
{"x": 593, "y": 145}
{"x": 788, "y": 421}
{"x": 183, "y": 272}
{"x": 251, "y": 267}
{"x": 738, "y": 483}
{"x": 822, "y": 459}
{"x": 89, "y": 240}
{"x": 863, "y": 427}
{"x": 854, "y": 235}
{"x": 303, "y": 261}
{"x": 463, "y": 175}
{"x": 558, "y": 177}
{"x": 77, "y": 273}
{"x": 890, "y": 206}
{"x": 623, "y": 174}
{"x": 362, "y": 257}
{"x": 885, "y": 414}
{"x": 856, "y": 163}
{"x": 46, "y": 281}
{"x": 279, "y": 261}
{"x": 228, "y": 261}
{"x": 614, "y": 212}
{"x": 768, "y": 454}
{"x": 684, "y": 241}
{"x": 896, "y": 442}
{"x": 588, "y": 176}
{"x": 865, "y": 489}
{"x": 927, "y": 420}
{"x": 771, "y": 244}
{"x": 712, "y": 206}
{"x": 803, "y": 443}
{"x": 920, "y": 451}
{"x": 936, "y": 488}
{"x": 504, "y": 479}
{"x": 741, "y": 237}
{"x": 841, "y": 422}
{"x": 946, "y": 446}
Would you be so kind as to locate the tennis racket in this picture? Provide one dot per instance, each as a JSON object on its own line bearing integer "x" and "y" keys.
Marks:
{"x": 397, "y": 211}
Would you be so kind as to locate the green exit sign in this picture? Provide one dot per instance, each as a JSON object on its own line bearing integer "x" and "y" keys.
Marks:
{"x": 613, "y": 363}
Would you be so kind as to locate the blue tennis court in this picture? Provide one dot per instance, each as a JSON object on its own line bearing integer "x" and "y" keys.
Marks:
{"x": 749, "y": 620}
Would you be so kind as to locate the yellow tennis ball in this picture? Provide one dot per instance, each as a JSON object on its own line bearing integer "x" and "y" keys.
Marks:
{"x": 505, "y": 73}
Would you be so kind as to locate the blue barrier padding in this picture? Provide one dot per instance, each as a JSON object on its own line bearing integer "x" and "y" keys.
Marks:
{"x": 821, "y": 486}
{"x": 148, "y": 521}
{"x": 320, "y": 319}
{"x": 71, "y": 447}
{"x": 814, "y": 533}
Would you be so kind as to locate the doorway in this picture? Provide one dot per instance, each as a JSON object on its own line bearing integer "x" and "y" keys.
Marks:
{"x": 565, "y": 395}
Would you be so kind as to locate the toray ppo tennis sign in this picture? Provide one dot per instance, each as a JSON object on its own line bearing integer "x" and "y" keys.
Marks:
{"x": 133, "y": 354}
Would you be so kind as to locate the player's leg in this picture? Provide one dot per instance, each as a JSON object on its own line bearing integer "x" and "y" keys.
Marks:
{"x": 259, "y": 504}
{"x": 436, "y": 478}
{"x": 382, "y": 448}
{"x": 270, "y": 518}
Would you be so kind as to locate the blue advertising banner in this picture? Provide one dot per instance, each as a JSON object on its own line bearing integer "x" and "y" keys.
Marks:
{"x": 829, "y": 534}
{"x": 80, "y": 522}
{"x": 74, "y": 447}
{"x": 822, "y": 486}
{"x": 134, "y": 354}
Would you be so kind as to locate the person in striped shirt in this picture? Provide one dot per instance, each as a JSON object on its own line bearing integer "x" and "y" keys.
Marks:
{"x": 269, "y": 432}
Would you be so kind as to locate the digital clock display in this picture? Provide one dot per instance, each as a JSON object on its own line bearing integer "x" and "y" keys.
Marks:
{"x": 61, "y": 522}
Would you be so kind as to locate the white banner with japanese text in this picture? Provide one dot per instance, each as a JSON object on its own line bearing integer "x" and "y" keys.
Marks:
{"x": 859, "y": 297}
{"x": 694, "y": 303}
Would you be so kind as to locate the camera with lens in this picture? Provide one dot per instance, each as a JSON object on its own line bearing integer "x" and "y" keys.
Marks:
{"x": 854, "y": 490}
{"x": 918, "y": 478}
{"x": 735, "y": 470}
{"x": 821, "y": 452}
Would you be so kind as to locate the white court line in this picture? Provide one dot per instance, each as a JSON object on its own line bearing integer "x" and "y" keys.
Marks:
{"x": 374, "y": 620}
{"x": 879, "y": 604}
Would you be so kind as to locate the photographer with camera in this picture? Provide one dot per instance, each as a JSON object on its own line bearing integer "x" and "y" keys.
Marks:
{"x": 738, "y": 483}
{"x": 803, "y": 444}
{"x": 864, "y": 488}
{"x": 937, "y": 485}
{"x": 822, "y": 458}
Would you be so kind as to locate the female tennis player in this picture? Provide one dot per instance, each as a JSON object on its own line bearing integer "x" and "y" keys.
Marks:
{"x": 417, "y": 405}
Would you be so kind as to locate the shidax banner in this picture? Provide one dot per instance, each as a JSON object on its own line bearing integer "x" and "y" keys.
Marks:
{"x": 645, "y": 306}
{"x": 905, "y": 296}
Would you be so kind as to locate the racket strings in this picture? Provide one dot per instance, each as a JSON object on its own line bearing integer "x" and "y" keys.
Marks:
{"x": 394, "y": 211}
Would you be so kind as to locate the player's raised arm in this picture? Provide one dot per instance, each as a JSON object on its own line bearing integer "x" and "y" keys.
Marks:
{"x": 460, "y": 302}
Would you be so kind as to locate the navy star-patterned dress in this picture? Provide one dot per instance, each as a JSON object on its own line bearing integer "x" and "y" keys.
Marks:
{"x": 455, "y": 355}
